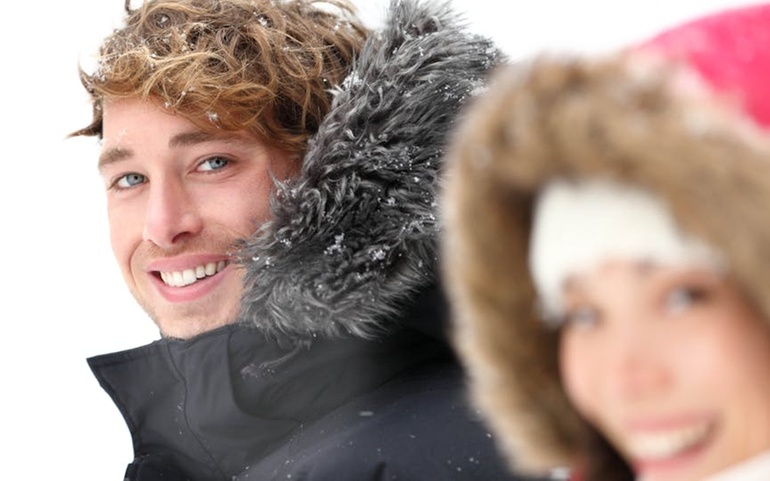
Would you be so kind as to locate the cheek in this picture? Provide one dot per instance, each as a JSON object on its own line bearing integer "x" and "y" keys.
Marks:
{"x": 734, "y": 359}
{"x": 284, "y": 167}
{"x": 125, "y": 233}
{"x": 243, "y": 208}
{"x": 245, "y": 203}
{"x": 579, "y": 375}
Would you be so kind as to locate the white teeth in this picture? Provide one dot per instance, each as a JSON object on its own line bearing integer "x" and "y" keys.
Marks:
{"x": 191, "y": 276}
{"x": 662, "y": 445}
{"x": 188, "y": 276}
{"x": 211, "y": 269}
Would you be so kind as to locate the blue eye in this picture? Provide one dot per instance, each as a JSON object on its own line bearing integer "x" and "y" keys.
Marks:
{"x": 130, "y": 180}
{"x": 582, "y": 317}
{"x": 682, "y": 298}
{"x": 213, "y": 163}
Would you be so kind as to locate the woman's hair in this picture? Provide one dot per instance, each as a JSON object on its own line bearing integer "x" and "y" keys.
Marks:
{"x": 268, "y": 67}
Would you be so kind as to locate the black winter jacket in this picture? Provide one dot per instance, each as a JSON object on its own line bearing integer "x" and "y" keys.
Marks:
{"x": 339, "y": 368}
{"x": 220, "y": 407}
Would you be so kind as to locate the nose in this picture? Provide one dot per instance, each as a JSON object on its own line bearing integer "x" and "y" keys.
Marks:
{"x": 640, "y": 367}
{"x": 171, "y": 214}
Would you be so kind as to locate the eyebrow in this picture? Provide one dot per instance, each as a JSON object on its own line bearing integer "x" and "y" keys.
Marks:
{"x": 186, "y": 139}
{"x": 183, "y": 139}
{"x": 113, "y": 155}
{"x": 644, "y": 268}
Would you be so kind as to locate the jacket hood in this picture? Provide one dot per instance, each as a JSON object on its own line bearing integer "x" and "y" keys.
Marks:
{"x": 623, "y": 117}
{"x": 354, "y": 235}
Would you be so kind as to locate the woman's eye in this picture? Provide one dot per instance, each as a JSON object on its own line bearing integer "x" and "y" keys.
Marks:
{"x": 128, "y": 181}
{"x": 213, "y": 163}
{"x": 685, "y": 297}
{"x": 582, "y": 317}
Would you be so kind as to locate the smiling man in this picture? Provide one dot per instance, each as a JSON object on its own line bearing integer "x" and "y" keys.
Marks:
{"x": 271, "y": 170}
{"x": 179, "y": 198}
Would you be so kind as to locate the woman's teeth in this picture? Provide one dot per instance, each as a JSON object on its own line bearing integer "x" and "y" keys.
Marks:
{"x": 666, "y": 444}
{"x": 191, "y": 276}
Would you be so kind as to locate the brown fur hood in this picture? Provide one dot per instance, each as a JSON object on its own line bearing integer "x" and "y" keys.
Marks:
{"x": 624, "y": 119}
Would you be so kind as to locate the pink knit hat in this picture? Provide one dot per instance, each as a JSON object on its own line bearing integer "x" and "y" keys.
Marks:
{"x": 730, "y": 50}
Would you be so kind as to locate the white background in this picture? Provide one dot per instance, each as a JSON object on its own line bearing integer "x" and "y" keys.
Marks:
{"x": 63, "y": 297}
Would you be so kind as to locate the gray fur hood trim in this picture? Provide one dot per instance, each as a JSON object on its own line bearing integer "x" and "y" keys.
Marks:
{"x": 355, "y": 235}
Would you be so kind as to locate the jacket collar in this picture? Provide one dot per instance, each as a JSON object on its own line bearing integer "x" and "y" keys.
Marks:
{"x": 195, "y": 401}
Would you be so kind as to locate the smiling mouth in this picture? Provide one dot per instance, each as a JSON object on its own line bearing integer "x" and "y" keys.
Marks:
{"x": 191, "y": 276}
{"x": 670, "y": 443}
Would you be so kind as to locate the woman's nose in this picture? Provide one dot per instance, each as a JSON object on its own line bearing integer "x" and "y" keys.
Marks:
{"x": 640, "y": 369}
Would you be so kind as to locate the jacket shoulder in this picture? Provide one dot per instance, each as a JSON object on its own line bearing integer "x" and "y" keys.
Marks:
{"x": 415, "y": 428}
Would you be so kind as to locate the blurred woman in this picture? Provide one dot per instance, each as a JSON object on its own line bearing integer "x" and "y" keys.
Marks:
{"x": 607, "y": 248}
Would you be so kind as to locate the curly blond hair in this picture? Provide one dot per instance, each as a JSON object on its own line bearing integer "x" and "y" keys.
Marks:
{"x": 264, "y": 66}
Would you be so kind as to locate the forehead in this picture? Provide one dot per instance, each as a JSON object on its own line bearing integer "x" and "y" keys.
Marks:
{"x": 147, "y": 119}
{"x": 132, "y": 126}
{"x": 133, "y": 115}
{"x": 639, "y": 272}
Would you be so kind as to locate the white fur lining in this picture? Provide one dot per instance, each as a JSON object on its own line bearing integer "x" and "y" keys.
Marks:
{"x": 580, "y": 224}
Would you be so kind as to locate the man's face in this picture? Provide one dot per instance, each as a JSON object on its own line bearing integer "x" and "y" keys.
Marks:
{"x": 178, "y": 198}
